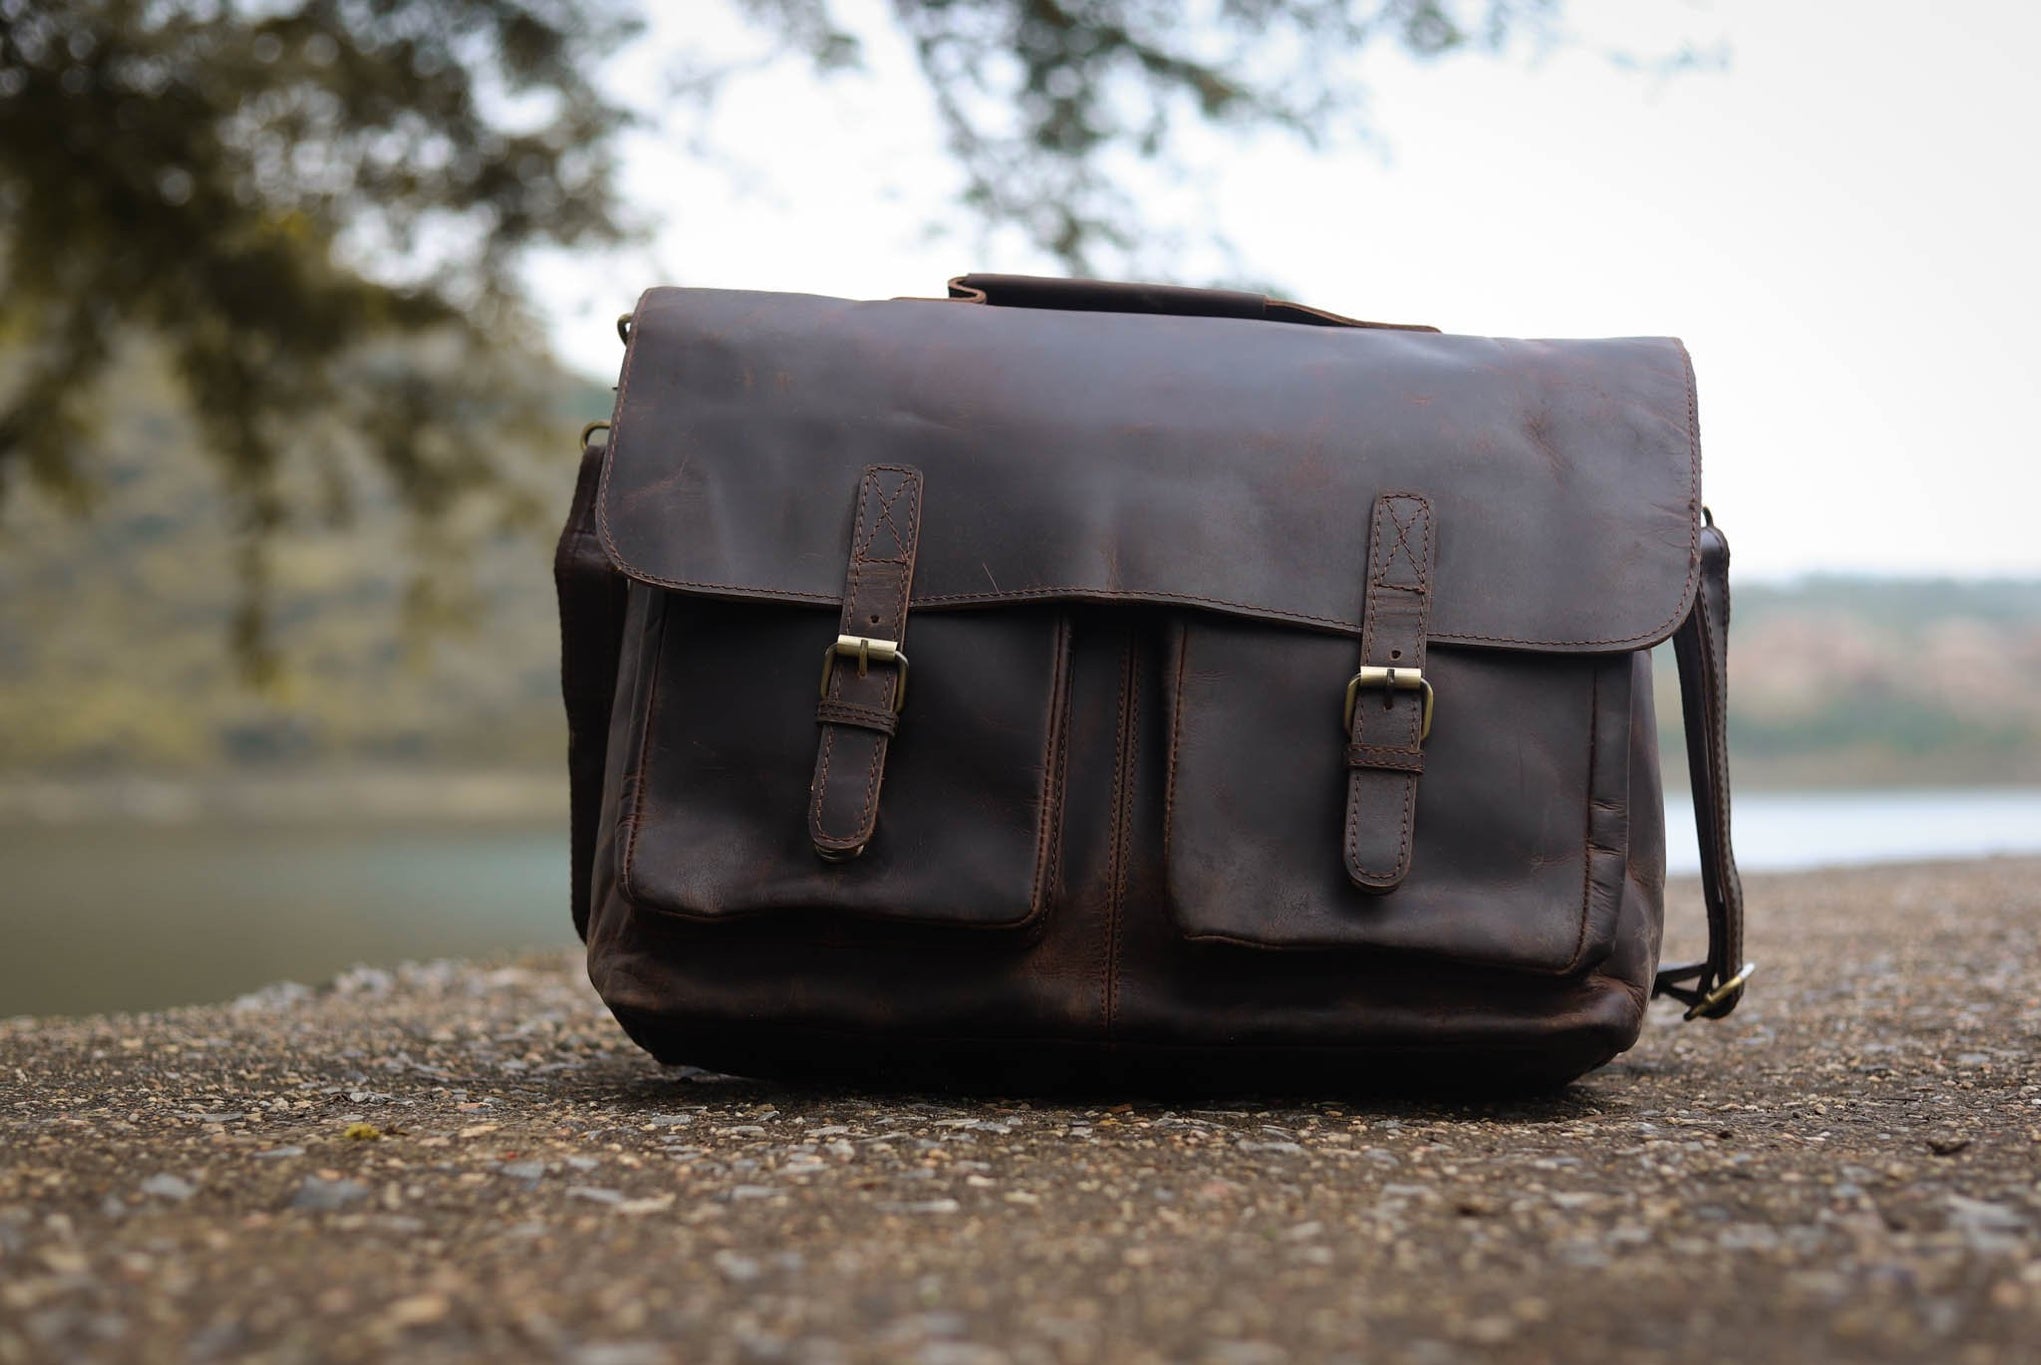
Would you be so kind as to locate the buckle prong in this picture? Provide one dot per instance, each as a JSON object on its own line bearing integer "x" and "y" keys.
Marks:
{"x": 1722, "y": 992}
{"x": 864, "y": 650}
{"x": 1391, "y": 681}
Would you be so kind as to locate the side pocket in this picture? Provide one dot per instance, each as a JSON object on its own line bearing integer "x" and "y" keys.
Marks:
{"x": 1520, "y": 825}
{"x": 717, "y": 788}
{"x": 592, "y": 597}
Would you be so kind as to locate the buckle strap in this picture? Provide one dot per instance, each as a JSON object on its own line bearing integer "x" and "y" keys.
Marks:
{"x": 1710, "y": 988}
{"x": 1389, "y": 703}
{"x": 850, "y": 713}
{"x": 865, "y": 671}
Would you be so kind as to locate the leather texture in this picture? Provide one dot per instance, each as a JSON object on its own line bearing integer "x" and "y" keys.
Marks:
{"x": 1220, "y": 464}
{"x": 1385, "y": 739}
{"x": 1119, "y": 832}
{"x": 1701, "y": 650}
{"x": 859, "y": 708}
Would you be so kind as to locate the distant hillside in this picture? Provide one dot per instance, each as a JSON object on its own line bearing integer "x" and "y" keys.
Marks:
{"x": 114, "y": 628}
{"x": 114, "y": 659}
{"x": 1855, "y": 681}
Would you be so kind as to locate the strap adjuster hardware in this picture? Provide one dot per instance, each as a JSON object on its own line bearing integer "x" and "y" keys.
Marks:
{"x": 1710, "y": 1004}
{"x": 864, "y": 650}
{"x": 1706, "y": 1006}
{"x": 1391, "y": 681}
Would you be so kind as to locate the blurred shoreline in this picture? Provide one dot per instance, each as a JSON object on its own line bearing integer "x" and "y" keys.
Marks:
{"x": 369, "y": 797}
{"x": 130, "y": 893}
{"x": 362, "y": 798}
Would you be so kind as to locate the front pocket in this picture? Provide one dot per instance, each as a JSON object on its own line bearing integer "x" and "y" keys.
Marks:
{"x": 716, "y": 818}
{"x": 1520, "y": 819}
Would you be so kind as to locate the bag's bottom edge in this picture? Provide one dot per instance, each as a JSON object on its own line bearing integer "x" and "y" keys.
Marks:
{"x": 1007, "y": 1067}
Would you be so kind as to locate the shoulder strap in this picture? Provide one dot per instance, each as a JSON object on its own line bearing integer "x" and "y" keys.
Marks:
{"x": 591, "y": 639}
{"x": 1710, "y": 988}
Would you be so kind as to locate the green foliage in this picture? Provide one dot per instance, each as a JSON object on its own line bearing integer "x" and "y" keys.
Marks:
{"x": 110, "y": 660}
{"x": 1839, "y": 680}
{"x": 315, "y": 212}
{"x": 111, "y": 627}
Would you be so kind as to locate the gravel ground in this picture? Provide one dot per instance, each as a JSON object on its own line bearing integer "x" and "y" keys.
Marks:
{"x": 458, "y": 1162}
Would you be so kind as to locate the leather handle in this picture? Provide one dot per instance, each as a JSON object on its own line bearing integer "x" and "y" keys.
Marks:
{"x": 1710, "y": 988}
{"x": 1110, "y": 296}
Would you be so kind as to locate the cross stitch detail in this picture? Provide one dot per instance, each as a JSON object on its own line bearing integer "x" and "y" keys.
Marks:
{"x": 1406, "y": 517}
{"x": 883, "y": 520}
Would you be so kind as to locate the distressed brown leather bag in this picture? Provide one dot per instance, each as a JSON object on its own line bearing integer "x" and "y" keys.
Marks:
{"x": 1279, "y": 712}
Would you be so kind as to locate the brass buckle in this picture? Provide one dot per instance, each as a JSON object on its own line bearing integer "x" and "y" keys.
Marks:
{"x": 1390, "y": 680}
{"x": 864, "y": 651}
{"x": 1721, "y": 993}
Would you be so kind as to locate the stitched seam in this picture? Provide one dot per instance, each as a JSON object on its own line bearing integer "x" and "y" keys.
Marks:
{"x": 872, "y": 512}
{"x": 885, "y": 518}
{"x": 1116, "y": 867}
{"x": 1126, "y": 818}
{"x": 1403, "y": 529}
{"x": 1397, "y": 504}
{"x": 1359, "y": 865}
{"x": 1339, "y": 624}
{"x": 1378, "y": 555}
{"x": 1385, "y": 757}
{"x": 1421, "y": 565}
{"x": 1587, "y": 837}
{"x": 816, "y": 798}
{"x": 856, "y": 710}
{"x": 868, "y": 812}
{"x": 1113, "y": 595}
{"x": 911, "y": 546}
{"x": 1356, "y": 790}
{"x": 1061, "y": 792}
{"x": 868, "y": 808}
{"x": 1183, "y": 652}
{"x": 819, "y": 798}
{"x": 1400, "y": 867}
{"x": 1047, "y": 844}
{"x": 1659, "y": 632}
{"x": 1400, "y": 860}
{"x": 854, "y": 713}
{"x": 627, "y": 873}
{"x": 1417, "y": 711}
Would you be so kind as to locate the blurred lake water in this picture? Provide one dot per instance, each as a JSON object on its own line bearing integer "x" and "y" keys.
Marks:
{"x": 135, "y": 916}
{"x": 1786, "y": 831}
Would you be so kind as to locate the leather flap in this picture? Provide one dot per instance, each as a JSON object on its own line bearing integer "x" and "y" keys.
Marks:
{"x": 1220, "y": 463}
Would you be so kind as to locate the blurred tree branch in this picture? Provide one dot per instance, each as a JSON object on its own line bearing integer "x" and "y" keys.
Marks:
{"x": 275, "y": 195}
{"x": 1042, "y": 100}
{"x": 318, "y": 209}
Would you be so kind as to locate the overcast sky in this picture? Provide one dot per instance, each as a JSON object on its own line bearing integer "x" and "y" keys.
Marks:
{"x": 1840, "y": 223}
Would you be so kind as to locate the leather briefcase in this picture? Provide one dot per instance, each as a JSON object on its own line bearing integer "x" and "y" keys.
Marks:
{"x": 1279, "y": 712}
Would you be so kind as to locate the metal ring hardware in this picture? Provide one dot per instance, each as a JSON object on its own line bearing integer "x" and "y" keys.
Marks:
{"x": 1708, "y": 1002}
{"x": 864, "y": 650}
{"x": 1390, "y": 680}
{"x": 591, "y": 429}
{"x": 624, "y": 328}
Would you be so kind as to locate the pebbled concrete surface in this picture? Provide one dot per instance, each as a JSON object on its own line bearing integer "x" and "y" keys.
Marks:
{"x": 462, "y": 1162}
